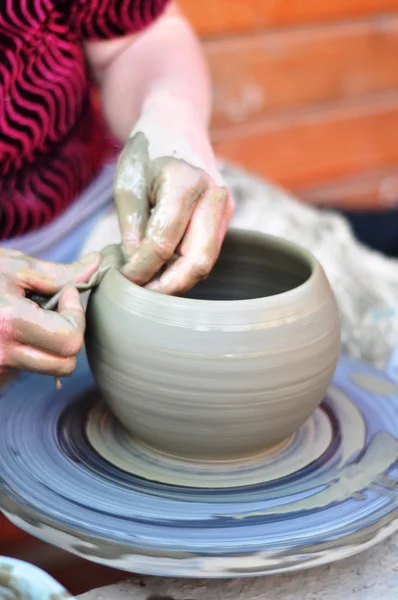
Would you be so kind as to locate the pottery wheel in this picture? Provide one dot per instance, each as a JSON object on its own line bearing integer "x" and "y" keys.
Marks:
{"x": 71, "y": 475}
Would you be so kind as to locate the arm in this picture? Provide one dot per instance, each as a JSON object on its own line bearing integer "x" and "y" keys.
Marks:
{"x": 156, "y": 95}
{"x": 161, "y": 66}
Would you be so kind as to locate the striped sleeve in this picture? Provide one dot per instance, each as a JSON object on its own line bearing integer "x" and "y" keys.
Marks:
{"x": 106, "y": 19}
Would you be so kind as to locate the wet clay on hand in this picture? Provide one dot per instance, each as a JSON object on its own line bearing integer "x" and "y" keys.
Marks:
{"x": 32, "y": 338}
{"x": 171, "y": 213}
{"x": 232, "y": 368}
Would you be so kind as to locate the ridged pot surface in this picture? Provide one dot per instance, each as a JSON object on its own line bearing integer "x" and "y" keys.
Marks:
{"x": 231, "y": 369}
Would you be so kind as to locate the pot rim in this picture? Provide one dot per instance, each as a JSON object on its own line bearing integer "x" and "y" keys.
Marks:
{"x": 167, "y": 301}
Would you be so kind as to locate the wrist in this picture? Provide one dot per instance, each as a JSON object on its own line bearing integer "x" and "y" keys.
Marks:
{"x": 176, "y": 110}
{"x": 173, "y": 127}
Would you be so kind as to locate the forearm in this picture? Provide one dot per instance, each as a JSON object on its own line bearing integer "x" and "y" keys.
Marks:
{"x": 170, "y": 196}
{"x": 163, "y": 66}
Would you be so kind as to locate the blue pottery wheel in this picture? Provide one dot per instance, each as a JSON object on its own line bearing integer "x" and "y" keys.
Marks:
{"x": 328, "y": 493}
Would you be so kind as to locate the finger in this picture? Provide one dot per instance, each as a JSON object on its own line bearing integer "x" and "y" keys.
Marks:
{"x": 226, "y": 217}
{"x": 47, "y": 277}
{"x": 178, "y": 193}
{"x": 70, "y": 308}
{"x": 200, "y": 247}
{"x": 131, "y": 193}
{"x": 60, "y": 333}
{"x": 26, "y": 358}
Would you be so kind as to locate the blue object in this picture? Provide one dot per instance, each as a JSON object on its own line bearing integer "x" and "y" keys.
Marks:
{"x": 378, "y": 229}
{"x": 340, "y": 500}
{"x": 19, "y": 579}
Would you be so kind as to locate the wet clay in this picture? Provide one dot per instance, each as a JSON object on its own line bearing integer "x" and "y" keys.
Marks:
{"x": 232, "y": 368}
{"x": 35, "y": 340}
{"x": 112, "y": 441}
{"x": 112, "y": 257}
{"x": 172, "y": 211}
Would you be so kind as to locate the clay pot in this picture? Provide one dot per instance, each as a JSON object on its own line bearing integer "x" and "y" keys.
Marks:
{"x": 233, "y": 368}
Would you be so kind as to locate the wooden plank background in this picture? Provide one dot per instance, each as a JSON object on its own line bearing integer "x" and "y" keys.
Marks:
{"x": 306, "y": 93}
{"x": 225, "y": 17}
{"x": 321, "y": 145}
{"x": 294, "y": 69}
{"x": 372, "y": 189}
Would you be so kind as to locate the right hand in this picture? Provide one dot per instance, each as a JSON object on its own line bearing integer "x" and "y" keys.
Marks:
{"x": 31, "y": 338}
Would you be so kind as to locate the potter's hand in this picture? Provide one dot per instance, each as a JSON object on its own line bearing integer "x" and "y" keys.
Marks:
{"x": 31, "y": 338}
{"x": 175, "y": 174}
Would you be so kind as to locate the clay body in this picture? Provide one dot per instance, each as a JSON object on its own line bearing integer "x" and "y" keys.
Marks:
{"x": 229, "y": 370}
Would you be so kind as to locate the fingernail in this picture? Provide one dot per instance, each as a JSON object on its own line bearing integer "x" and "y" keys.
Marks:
{"x": 89, "y": 259}
{"x": 86, "y": 266}
{"x": 71, "y": 297}
{"x": 154, "y": 286}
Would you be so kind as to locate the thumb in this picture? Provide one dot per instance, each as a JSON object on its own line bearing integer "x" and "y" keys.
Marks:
{"x": 48, "y": 278}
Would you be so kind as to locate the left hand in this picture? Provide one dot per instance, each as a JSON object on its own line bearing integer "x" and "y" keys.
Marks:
{"x": 172, "y": 204}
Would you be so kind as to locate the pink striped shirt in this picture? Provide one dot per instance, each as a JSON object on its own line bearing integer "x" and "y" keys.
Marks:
{"x": 52, "y": 138}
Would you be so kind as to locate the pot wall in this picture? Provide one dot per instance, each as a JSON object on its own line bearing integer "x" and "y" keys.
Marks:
{"x": 218, "y": 379}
